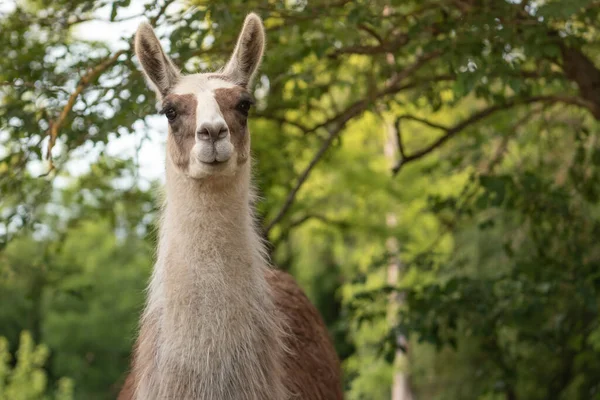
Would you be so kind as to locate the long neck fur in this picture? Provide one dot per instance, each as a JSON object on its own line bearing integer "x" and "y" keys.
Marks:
{"x": 210, "y": 312}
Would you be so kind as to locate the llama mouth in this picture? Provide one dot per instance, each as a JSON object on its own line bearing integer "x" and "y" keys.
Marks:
{"x": 214, "y": 163}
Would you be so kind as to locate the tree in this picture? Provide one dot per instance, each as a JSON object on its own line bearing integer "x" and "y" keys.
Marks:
{"x": 495, "y": 107}
{"x": 502, "y": 54}
{"x": 78, "y": 285}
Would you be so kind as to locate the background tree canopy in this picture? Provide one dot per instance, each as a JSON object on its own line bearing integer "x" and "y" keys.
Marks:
{"x": 429, "y": 171}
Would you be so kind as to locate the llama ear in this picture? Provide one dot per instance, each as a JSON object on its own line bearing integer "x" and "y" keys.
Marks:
{"x": 162, "y": 74}
{"x": 248, "y": 52}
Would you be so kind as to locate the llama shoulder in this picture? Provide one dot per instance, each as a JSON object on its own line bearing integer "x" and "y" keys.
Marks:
{"x": 312, "y": 364}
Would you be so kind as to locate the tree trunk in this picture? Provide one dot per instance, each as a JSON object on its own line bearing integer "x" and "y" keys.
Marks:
{"x": 581, "y": 70}
{"x": 401, "y": 389}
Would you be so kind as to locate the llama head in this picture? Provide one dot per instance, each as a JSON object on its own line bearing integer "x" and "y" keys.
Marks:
{"x": 207, "y": 113}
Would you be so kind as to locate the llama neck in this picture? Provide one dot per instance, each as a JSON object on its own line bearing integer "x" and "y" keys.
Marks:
{"x": 219, "y": 334}
{"x": 208, "y": 241}
{"x": 208, "y": 214}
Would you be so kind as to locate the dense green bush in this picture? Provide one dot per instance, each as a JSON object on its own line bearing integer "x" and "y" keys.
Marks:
{"x": 27, "y": 379}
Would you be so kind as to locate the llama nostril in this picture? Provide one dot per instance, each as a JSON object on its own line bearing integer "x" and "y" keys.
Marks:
{"x": 222, "y": 133}
{"x": 203, "y": 134}
{"x": 212, "y": 131}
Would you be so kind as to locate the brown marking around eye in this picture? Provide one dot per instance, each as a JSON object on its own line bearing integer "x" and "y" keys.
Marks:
{"x": 227, "y": 99}
{"x": 182, "y": 129}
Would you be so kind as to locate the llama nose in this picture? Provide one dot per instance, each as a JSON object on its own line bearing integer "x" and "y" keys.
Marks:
{"x": 212, "y": 130}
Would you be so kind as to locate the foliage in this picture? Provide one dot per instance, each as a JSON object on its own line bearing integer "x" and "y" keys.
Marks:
{"x": 471, "y": 124}
{"x": 79, "y": 288}
{"x": 27, "y": 380}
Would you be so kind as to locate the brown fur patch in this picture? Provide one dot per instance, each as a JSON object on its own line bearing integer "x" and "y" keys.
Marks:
{"x": 228, "y": 99}
{"x": 142, "y": 358}
{"x": 312, "y": 370}
{"x": 128, "y": 389}
{"x": 182, "y": 130}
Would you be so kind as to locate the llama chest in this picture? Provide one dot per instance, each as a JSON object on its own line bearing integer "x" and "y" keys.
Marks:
{"x": 216, "y": 336}
{"x": 218, "y": 355}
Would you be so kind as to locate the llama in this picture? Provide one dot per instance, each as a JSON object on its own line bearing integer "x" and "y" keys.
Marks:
{"x": 219, "y": 322}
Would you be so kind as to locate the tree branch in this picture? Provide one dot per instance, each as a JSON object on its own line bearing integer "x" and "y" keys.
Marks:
{"x": 421, "y": 120}
{"x": 160, "y": 12}
{"x": 500, "y": 151}
{"x": 318, "y": 217}
{"x": 336, "y": 124}
{"x": 302, "y": 178}
{"x": 383, "y": 47}
{"x": 393, "y": 84}
{"x": 371, "y": 32}
{"x": 305, "y": 218}
{"x": 32, "y": 85}
{"x": 473, "y": 119}
{"x": 84, "y": 81}
{"x": 392, "y": 87}
{"x": 282, "y": 120}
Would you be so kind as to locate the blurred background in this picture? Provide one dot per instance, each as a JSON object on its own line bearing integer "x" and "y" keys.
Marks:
{"x": 429, "y": 171}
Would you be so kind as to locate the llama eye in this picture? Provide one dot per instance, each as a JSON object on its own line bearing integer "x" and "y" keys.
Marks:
{"x": 244, "y": 106}
{"x": 171, "y": 114}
